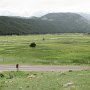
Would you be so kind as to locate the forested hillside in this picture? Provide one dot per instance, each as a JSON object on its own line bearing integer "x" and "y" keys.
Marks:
{"x": 49, "y": 23}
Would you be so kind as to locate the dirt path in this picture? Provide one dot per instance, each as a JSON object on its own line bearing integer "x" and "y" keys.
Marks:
{"x": 42, "y": 68}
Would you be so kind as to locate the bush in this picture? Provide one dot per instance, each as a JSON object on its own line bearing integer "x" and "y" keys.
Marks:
{"x": 43, "y": 39}
{"x": 33, "y": 45}
{"x": 70, "y": 70}
{"x": 1, "y": 75}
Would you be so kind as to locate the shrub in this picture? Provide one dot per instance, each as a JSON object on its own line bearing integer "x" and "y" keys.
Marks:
{"x": 70, "y": 70}
{"x": 33, "y": 45}
{"x": 1, "y": 75}
{"x": 43, "y": 39}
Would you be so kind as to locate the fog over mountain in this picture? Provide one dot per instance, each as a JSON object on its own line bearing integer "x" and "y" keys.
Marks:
{"x": 87, "y": 16}
{"x": 48, "y": 23}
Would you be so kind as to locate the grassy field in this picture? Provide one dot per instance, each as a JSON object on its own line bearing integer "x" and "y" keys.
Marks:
{"x": 54, "y": 50}
{"x": 45, "y": 80}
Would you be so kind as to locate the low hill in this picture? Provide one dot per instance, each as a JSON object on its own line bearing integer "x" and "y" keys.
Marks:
{"x": 49, "y": 23}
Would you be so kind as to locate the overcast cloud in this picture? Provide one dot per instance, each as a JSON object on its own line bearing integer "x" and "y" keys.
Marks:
{"x": 39, "y": 7}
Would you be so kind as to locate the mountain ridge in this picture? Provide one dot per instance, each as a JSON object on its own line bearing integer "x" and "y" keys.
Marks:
{"x": 49, "y": 23}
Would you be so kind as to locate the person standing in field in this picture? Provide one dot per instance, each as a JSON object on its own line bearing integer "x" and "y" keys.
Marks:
{"x": 17, "y": 67}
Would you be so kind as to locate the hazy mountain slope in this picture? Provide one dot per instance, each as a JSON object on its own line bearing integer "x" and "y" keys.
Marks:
{"x": 68, "y": 22}
{"x": 87, "y": 16}
{"x": 14, "y": 25}
{"x": 49, "y": 23}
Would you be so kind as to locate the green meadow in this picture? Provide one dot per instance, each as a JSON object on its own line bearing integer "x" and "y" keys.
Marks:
{"x": 45, "y": 80}
{"x": 51, "y": 49}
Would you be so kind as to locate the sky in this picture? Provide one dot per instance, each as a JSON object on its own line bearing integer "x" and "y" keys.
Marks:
{"x": 27, "y": 8}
